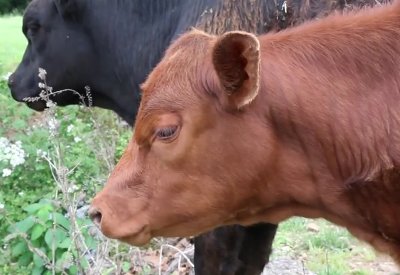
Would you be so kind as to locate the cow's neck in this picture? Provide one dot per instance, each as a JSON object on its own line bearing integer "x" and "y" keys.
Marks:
{"x": 333, "y": 100}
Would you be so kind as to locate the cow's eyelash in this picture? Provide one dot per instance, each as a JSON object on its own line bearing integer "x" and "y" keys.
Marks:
{"x": 33, "y": 26}
{"x": 166, "y": 133}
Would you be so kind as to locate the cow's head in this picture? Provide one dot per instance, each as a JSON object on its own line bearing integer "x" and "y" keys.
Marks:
{"x": 58, "y": 44}
{"x": 192, "y": 164}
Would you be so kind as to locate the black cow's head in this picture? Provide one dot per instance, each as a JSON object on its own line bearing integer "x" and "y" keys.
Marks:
{"x": 58, "y": 44}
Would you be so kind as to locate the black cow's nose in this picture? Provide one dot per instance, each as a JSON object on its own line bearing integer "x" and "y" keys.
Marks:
{"x": 11, "y": 81}
{"x": 95, "y": 215}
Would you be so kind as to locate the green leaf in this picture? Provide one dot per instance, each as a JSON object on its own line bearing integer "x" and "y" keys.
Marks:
{"x": 37, "y": 270}
{"x": 126, "y": 266}
{"x": 84, "y": 263}
{"x": 25, "y": 259}
{"x": 19, "y": 248}
{"x": 37, "y": 242}
{"x": 91, "y": 242}
{"x": 32, "y": 208}
{"x": 61, "y": 220}
{"x": 73, "y": 270}
{"x": 54, "y": 236}
{"x": 38, "y": 261}
{"x": 49, "y": 238}
{"x": 24, "y": 225}
{"x": 66, "y": 259}
{"x": 37, "y": 231}
{"x": 43, "y": 214}
{"x": 65, "y": 243}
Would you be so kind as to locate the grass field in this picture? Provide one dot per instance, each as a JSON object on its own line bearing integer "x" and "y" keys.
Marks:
{"x": 12, "y": 42}
{"x": 317, "y": 245}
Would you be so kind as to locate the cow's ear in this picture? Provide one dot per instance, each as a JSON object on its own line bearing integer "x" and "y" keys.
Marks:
{"x": 67, "y": 8}
{"x": 236, "y": 60}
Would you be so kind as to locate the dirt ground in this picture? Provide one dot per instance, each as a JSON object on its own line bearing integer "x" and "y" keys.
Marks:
{"x": 172, "y": 262}
{"x": 383, "y": 265}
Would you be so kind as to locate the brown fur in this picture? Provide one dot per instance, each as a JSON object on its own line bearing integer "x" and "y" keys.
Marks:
{"x": 320, "y": 139}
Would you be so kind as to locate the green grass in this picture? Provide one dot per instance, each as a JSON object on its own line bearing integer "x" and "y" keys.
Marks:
{"x": 324, "y": 248}
{"x": 12, "y": 42}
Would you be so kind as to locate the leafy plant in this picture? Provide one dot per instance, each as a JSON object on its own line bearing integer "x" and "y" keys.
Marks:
{"x": 43, "y": 241}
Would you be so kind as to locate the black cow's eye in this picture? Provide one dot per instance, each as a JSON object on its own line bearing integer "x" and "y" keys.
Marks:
{"x": 32, "y": 29}
{"x": 166, "y": 132}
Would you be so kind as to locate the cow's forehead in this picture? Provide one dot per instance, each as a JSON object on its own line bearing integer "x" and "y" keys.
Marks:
{"x": 36, "y": 5}
{"x": 173, "y": 89}
{"x": 180, "y": 67}
{"x": 35, "y": 8}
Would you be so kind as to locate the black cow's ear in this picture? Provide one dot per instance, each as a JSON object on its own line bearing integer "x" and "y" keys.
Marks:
{"x": 236, "y": 60}
{"x": 67, "y": 8}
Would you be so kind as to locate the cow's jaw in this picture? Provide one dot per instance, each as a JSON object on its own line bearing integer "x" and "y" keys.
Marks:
{"x": 39, "y": 105}
{"x": 141, "y": 237}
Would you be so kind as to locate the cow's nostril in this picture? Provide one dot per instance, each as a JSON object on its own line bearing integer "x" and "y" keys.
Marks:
{"x": 95, "y": 215}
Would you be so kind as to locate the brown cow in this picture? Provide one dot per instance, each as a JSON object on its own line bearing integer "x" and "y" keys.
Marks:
{"x": 237, "y": 129}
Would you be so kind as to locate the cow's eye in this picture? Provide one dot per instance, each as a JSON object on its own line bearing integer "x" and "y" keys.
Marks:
{"x": 166, "y": 133}
{"x": 32, "y": 29}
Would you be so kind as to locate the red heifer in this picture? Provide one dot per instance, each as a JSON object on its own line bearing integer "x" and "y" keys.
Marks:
{"x": 237, "y": 129}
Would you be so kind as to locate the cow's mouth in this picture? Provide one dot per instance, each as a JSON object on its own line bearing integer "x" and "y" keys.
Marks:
{"x": 38, "y": 105}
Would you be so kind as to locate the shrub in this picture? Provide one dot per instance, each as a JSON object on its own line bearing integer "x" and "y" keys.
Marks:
{"x": 7, "y": 6}
{"x": 42, "y": 240}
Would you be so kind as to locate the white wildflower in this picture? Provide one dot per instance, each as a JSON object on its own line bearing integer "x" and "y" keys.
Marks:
{"x": 50, "y": 103}
{"x": 53, "y": 124}
{"x": 77, "y": 139}
{"x": 6, "y": 76}
{"x": 42, "y": 73}
{"x": 69, "y": 128}
{"x": 21, "y": 193}
{"x": 4, "y": 144}
{"x": 6, "y": 172}
{"x": 40, "y": 153}
{"x": 18, "y": 155}
{"x": 4, "y": 141}
{"x": 11, "y": 152}
{"x": 1, "y": 206}
{"x": 72, "y": 188}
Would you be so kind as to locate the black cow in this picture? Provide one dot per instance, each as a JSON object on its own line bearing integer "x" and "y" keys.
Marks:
{"x": 111, "y": 45}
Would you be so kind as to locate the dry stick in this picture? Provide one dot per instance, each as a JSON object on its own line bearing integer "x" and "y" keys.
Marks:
{"x": 177, "y": 249}
{"x": 62, "y": 181}
{"x": 60, "y": 173}
{"x": 56, "y": 171}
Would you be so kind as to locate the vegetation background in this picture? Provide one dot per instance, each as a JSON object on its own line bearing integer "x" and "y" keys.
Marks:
{"x": 12, "y": 6}
{"x": 52, "y": 163}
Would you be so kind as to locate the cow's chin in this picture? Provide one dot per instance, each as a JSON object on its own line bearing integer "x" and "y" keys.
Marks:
{"x": 140, "y": 238}
{"x": 189, "y": 228}
{"x": 39, "y": 105}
